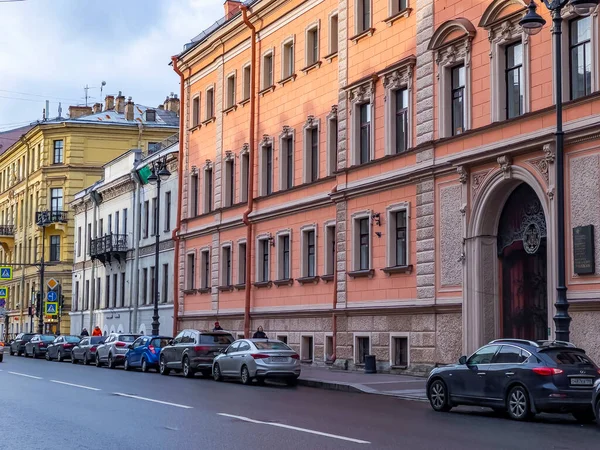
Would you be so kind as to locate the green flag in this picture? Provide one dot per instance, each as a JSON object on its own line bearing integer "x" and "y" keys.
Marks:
{"x": 144, "y": 173}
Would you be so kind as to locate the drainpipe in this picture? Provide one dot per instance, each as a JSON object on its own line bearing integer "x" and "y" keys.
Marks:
{"x": 175, "y": 235}
{"x": 133, "y": 318}
{"x": 86, "y": 240}
{"x": 250, "y": 206}
{"x": 93, "y": 279}
{"x": 334, "y": 305}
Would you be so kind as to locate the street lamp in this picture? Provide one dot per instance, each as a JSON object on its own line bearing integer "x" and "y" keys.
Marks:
{"x": 160, "y": 173}
{"x": 532, "y": 23}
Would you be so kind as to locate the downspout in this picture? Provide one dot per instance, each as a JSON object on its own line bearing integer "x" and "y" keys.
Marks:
{"x": 93, "y": 279}
{"x": 250, "y": 206}
{"x": 85, "y": 245}
{"x": 334, "y": 305}
{"x": 175, "y": 235}
{"x": 133, "y": 317}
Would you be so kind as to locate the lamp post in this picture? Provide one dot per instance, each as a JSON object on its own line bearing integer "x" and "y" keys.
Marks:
{"x": 159, "y": 174}
{"x": 532, "y": 23}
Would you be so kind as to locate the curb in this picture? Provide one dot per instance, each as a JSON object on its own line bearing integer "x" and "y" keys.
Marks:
{"x": 354, "y": 388}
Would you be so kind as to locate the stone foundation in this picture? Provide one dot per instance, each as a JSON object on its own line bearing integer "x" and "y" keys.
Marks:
{"x": 585, "y": 332}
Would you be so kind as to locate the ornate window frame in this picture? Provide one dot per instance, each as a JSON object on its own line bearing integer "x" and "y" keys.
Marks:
{"x": 262, "y": 180}
{"x": 390, "y": 247}
{"x": 359, "y": 95}
{"x": 285, "y": 77}
{"x": 222, "y": 264}
{"x": 304, "y": 251}
{"x": 312, "y": 123}
{"x": 279, "y": 255}
{"x": 286, "y": 133}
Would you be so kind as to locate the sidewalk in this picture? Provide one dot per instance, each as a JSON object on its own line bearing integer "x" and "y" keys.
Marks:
{"x": 401, "y": 386}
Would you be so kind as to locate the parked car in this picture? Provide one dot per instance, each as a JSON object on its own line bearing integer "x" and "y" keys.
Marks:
{"x": 193, "y": 351}
{"x": 114, "y": 348}
{"x": 145, "y": 352}
{"x": 61, "y": 348}
{"x": 596, "y": 401}
{"x": 521, "y": 377}
{"x": 38, "y": 345}
{"x": 85, "y": 350}
{"x": 1, "y": 351}
{"x": 249, "y": 359}
{"x": 17, "y": 346}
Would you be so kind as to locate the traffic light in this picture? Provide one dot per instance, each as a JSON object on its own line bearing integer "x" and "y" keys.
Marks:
{"x": 62, "y": 301}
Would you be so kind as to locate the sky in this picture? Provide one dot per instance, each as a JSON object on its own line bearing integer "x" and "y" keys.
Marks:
{"x": 50, "y": 49}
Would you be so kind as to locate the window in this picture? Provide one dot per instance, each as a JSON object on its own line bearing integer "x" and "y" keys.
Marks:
{"x": 117, "y": 223}
{"x": 230, "y": 91}
{"x": 208, "y": 190}
{"x": 242, "y": 263}
{"x": 363, "y": 15}
{"x": 333, "y": 34}
{"x": 210, "y": 103}
{"x": 401, "y": 120}
{"x": 514, "y": 80}
{"x": 122, "y": 298}
{"x": 86, "y": 300}
{"x": 399, "y": 354}
{"x": 196, "y": 111}
{"x": 229, "y": 188}
{"x": 283, "y": 338}
{"x": 267, "y": 80}
{"x": 107, "y": 292}
{"x": 267, "y": 169}
{"x": 191, "y": 271}
{"x": 56, "y": 199}
{"x": 262, "y": 274}
{"x": 309, "y": 259}
{"x": 332, "y": 144}
{"x": 152, "y": 281}
{"x": 54, "y": 248}
{"x": 244, "y": 167}
{"x": 286, "y": 159}
{"x": 151, "y": 115}
{"x": 311, "y": 158}
{"x": 110, "y": 224}
{"x": 145, "y": 286}
{"x": 329, "y": 249}
{"x": 146, "y": 218}
{"x": 363, "y": 348}
{"x": 365, "y": 133}
{"x": 125, "y": 221}
{"x": 78, "y": 241}
{"x": 246, "y": 74}
{"x": 287, "y": 63}
{"x": 194, "y": 202}
{"x": 153, "y": 147}
{"x": 226, "y": 266}
{"x": 58, "y": 157}
{"x": 580, "y": 49}
{"x": 168, "y": 211}
{"x": 205, "y": 269}
{"x": 307, "y": 348}
{"x": 283, "y": 247}
{"x": 483, "y": 355}
{"x": 98, "y": 293}
{"x": 115, "y": 288}
{"x": 510, "y": 355}
{"x": 361, "y": 239}
{"x": 400, "y": 248}
{"x": 457, "y": 80}
{"x": 165, "y": 284}
{"x": 397, "y": 6}
{"x": 312, "y": 46}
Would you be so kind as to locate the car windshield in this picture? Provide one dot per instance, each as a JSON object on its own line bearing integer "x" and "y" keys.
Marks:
{"x": 47, "y": 338}
{"x": 224, "y": 339}
{"x": 160, "y": 342}
{"x": 97, "y": 340}
{"x": 127, "y": 338}
{"x": 72, "y": 339}
{"x": 570, "y": 357}
{"x": 271, "y": 346}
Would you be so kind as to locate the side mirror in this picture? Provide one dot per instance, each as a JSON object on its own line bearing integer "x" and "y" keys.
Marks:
{"x": 223, "y": 350}
{"x": 171, "y": 342}
{"x": 130, "y": 346}
{"x": 462, "y": 360}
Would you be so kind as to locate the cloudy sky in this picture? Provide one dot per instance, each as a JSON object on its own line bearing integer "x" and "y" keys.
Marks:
{"x": 50, "y": 49}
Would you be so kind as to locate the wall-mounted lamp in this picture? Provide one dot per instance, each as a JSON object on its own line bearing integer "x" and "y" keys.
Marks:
{"x": 376, "y": 219}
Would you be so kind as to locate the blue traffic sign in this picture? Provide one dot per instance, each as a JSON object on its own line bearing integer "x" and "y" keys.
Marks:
{"x": 3, "y": 292}
{"x": 52, "y": 296}
{"x": 6, "y": 273}
{"x": 51, "y": 308}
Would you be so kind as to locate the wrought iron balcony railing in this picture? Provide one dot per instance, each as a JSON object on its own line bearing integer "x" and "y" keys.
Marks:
{"x": 43, "y": 218}
{"x": 7, "y": 230}
{"x": 107, "y": 246}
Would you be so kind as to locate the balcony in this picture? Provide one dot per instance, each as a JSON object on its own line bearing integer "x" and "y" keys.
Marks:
{"x": 7, "y": 237}
{"x": 108, "y": 248}
{"x": 45, "y": 218}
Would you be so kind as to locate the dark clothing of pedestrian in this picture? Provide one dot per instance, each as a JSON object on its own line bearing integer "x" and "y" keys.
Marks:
{"x": 217, "y": 327}
{"x": 84, "y": 332}
{"x": 260, "y": 335}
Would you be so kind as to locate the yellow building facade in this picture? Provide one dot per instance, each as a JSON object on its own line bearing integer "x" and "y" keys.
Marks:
{"x": 39, "y": 175}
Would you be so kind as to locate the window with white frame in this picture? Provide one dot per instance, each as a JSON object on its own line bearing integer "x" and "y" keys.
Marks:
{"x": 329, "y": 248}
{"x": 284, "y": 250}
{"x": 226, "y": 266}
{"x": 208, "y": 189}
{"x": 361, "y": 240}
{"x": 231, "y": 84}
{"x": 397, "y": 6}
{"x": 244, "y": 167}
{"x": 362, "y": 16}
{"x": 263, "y": 259}
{"x": 287, "y": 59}
{"x": 398, "y": 108}
{"x": 196, "y": 111}
{"x": 364, "y": 123}
{"x": 267, "y": 70}
{"x": 266, "y": 168}
{"x": 580, "y": 57}
{"x": 397, "y": 232}
{"x": 246, "y": 85}
{"x": 241, "y": 263}
{"x": 309, "y": 252}
{"x": 457, "y": 99}
{"x": 312, "y": 45}
{"x": 194, "y": 187}
{"x": 332, "y": 141}
{"x": 229, "y": 180}
{"x": 286, "y": 158}
{"x": 210, "y": 103}
{"x": 333, "y": 33}
{"x": 513, "y": 74}
{"x": 363, "y": 131}
{"x": 311, "y": 150}
{"x": 205, "y": 269}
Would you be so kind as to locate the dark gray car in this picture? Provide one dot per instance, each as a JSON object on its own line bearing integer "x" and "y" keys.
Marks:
{"x": 193, "y": 351}
{"x": 85, "y": 351}
{"x": 17, "y": 346}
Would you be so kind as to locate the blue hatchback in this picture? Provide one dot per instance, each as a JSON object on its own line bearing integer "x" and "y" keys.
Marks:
{"x": 145, "y": 352}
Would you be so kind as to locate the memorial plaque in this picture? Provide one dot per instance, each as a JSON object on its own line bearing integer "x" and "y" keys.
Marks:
{"x": 583, "y": 250}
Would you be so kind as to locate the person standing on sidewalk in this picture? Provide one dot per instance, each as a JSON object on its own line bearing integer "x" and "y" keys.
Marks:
{"x": 260, "y": 334}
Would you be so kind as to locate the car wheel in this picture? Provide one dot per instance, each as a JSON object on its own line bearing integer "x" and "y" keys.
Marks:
{"x": 245, "y": 376}
{"x": 162, "y": 367}
{"x": 60, "y": 357}
{"x": 518, "y": 403}
{"x": 217, "y": 373}
{"x": 86, "y": 361}
{"x": 126, "y": 365}
{"x": 111, "y": 362}
{"x": 19, "y": 353}
{"x": 585, "y": 415}
{"x": 187, "y": 370}
{"x": 98, "y": 362}
{"x": 290, "y": 381}
{"x": 73, "y": 360}
{"x": 438, "y": 396}
{"x": 144, "y": 365}
{"x": 11, "y": 353}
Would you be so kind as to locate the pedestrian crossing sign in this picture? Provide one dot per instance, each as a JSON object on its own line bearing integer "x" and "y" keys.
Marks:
{"x": 3, "y": 292}
{"x": 52, "y": 308}
{"x": 6, "y": 273}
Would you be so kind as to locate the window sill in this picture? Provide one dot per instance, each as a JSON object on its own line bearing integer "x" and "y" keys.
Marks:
{"x": 230, "y": 109}
{"x": 367, "y": 273}
{"x": 228, "y": 288}
{"x": 284, "y": 282}
{"x": 398, "y": 269}
{"x": 189, "y": 291}
{"x": 194, "y": 128}
{"x": 331, "y": 56}
{"x": 239, "y": 286}
{"x": 263, "y": 284}
{"x": 399, "y": 15}
{"x": 312, "y": 66}
{"x": 327, "y": 278}
{"x": 292, "y": 77}
{"x": 209, "y": 120}
{"x": 205, "y": 290}
{"x": 267, "y": 90}
{"x": 306, "y": 280}
{"x": 367, "y": 33}
{"x": 243, "y": 102}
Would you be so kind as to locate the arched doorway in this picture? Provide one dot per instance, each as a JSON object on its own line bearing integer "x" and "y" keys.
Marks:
{"x": 522, "y": 236}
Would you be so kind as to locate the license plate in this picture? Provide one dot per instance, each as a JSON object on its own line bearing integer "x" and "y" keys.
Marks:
{"x": 279, "y": 358}
{"x": 582, "y": 381}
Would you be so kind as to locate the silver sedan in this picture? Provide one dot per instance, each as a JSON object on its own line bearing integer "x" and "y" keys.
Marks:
{"x": 257, "y": 359}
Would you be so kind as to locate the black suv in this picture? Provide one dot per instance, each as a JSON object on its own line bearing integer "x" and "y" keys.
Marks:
{"x": 518, "y": 376}
{"x": 18, "y": 344}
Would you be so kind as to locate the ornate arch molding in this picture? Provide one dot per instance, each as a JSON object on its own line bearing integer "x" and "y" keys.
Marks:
{"x": 462, "y": 25}
{"x": 494, "y": 12}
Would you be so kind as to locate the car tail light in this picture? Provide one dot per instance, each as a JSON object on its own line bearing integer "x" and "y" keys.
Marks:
{"x": 42, "y": 344}
{"x": 93, "y": 349}
{"x": 260, "y": 356}
{"x": 68, "y": 345}
{"x": 547, "y": 371}
{"x": 120, "y": 344}
{"x": 201, "y": 348}
{"x": 295, "y": 356}
{"x": 151, "y": 348}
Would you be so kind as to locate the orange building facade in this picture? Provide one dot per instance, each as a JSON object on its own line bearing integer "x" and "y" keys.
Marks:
{"x": 400, "y": 164}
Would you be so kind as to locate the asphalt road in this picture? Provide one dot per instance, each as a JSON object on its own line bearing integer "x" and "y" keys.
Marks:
{"x": 50, "y": 405}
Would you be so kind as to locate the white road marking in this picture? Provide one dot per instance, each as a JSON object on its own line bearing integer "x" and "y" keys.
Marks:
{"x": 177, "y": 405}
{"x": 75, "y": 385}
{"x": 289, "y": 427}
{"x": 25, "y": 375}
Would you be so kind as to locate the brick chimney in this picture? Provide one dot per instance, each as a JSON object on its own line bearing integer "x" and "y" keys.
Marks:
{"x": 79, "y": 111}
{"x": 109, "y": 102}
{"x": 120, "y": 103}
{"x": 172, "y": 103}
{"x": 232, "y": 7}
{"x": 97, "y": 108}
{"x": 129, "y": 109}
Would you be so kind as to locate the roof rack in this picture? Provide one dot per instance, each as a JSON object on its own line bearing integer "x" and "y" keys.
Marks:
{"x": 515, "y": 341}
{"x": 555, "y": 344}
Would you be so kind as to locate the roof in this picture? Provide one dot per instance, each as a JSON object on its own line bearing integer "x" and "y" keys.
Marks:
{"x": 8, "y": 138}
{"x": 164, "y": 118}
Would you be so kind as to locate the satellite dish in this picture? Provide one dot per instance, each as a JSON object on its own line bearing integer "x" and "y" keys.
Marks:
{"x": 103, "y": 83}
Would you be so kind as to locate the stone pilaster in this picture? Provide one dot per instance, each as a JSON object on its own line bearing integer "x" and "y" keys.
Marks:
{"x": 342, "y": 82}
{"x": 341, "y": 253}
{"x": 425, "y": 240}
{"x": 214, "y": 270}
{"x": 425, "y": 72}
